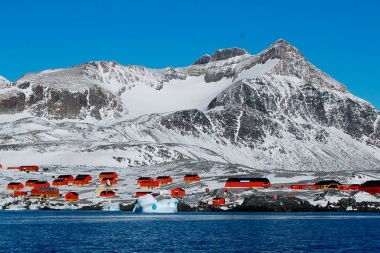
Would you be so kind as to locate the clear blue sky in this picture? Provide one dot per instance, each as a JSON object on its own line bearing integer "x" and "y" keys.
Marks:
{"x": 340, "y": 37}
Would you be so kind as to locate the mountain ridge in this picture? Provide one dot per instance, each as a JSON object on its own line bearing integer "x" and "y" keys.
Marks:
{"x": 272, "y": 110}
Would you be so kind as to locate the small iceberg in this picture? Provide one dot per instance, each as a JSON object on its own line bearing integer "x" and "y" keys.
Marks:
{"x": 15, "y": 207}
{"x": 109, "y": 206}
{"x": 148, "y": 204}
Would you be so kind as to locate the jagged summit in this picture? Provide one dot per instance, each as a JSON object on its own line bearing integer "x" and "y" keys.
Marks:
{"x": 220, "y": 55}
{"x": 223, "y": 54}
{"x": 283, "y": 50}
{"x": 203, "y": 60}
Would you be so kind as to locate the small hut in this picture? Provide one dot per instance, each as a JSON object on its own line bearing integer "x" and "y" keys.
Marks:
{"x": 177, "y": 192}
{"x": 71, "y": 196}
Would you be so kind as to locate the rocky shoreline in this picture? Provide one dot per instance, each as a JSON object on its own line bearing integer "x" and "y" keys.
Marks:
{"x": 252, "y": 203}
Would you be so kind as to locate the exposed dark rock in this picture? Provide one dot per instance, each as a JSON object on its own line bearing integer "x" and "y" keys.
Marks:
{"x": 203, "y": 60}
{"x": 267, "y": 203}
{"x": 12, "y": 104}
{"x": 189, "y": 122}
{"x": 92, "y": 207}
{"x": 183, "y": 207}
{"x": 224, "y": 54}
{"x": 127, "y": 207}
{"x": 23, "y": 85}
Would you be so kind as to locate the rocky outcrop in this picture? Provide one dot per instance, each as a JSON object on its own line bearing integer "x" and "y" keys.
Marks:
{"x": 203, "y": 60}
{"x": 224, "y": 54}
{"x": 11, "y": 103}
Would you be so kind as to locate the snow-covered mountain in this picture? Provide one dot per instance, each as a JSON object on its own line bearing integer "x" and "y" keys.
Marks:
{"x": 271, "y": 111}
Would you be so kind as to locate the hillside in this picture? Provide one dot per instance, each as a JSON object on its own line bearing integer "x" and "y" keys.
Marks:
{"x": 271, "y": 111}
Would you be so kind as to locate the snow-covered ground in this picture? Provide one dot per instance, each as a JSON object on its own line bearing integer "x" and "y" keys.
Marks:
{"x": 213, "y": 177}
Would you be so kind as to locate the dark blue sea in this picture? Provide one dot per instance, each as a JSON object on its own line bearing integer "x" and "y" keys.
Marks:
{"x": 101, "y": 231}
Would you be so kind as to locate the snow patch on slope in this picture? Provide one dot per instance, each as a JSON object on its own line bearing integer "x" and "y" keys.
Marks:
{"x": 192, "y": 93}
{"x": 258, "y": 69}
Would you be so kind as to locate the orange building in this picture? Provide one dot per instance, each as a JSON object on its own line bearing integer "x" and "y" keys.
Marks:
{"x": 12, "y": 168}
{"x": 247, "y": 183}
{"x": 30, "y": 183}
{"x": 144, "y": 179}
{"x": 21, "y": 194}
{"x": 43, "y": 184}
{"x": 15, "y": 186}
{"x": 60, "y": 182}
{"x": 149, "y": 185}
{"x": 371, "y": 186}
{"x": 29, "y": 168}
{"x": 107, "y": 194}
{"x": 191, "y": 178}
{"x": 303, "y": 187}
{"x": 178, "y": 192}
{"x": 108, "y": 181}
{"x": 164, "y": 180}
{"x": 44, "y": 193}
{"x": 72, "y": 196}
{"x": 82, "y": 180}
{"x": 108, "y": 175}
{"x": 68, "y": 178}
{"x": 218, "y": 201}
{"x": 139, "y": 194}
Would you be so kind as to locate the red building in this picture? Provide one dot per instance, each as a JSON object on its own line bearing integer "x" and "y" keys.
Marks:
{"x": 44, "y": 193}
{"x": 107, "y": 194}
{"x": 327, "y": 184}
{"x": 69, "y": 178}
{"x": 21, "y": 194}
{"x": 353, "y": 187}
{"x": 303, "y": 187}
{"x": 108, "y": 175}
{"x": 29, "y": 168}
{"x": 164, "y": 180}
{"x": 30, "y": 183}
{"x": 372, "y": 186}
{"x": 247, "y": 183}
{"x": 108, "y": 181}
{"x": 15, "y": 186}
{"x": 149, "y": 184}
{"x": 71, "y": 196}
{"x": 144, "y": 179}
{"x": 177, "y": 192}
{"x": 139, "y": 194}
{"x": 43, "y": 184}
{"x": 82, "y": 180}
{"x": 60, "y": 182}
{"x": 12, "y": 168}
{"x": 191, "y": 178}
{"x": 218, "y": 201}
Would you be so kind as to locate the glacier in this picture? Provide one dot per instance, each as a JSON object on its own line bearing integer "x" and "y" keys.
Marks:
{"x": 148, "y": 204}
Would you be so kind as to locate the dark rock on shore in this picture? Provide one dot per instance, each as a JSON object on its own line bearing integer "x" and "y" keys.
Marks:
{"x": 267, "y": 203}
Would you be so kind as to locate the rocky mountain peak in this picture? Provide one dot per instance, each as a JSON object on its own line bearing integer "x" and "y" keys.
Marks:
{"x": 203, "y": 60}
{"x": 282, "y": 50}
{"x": 223, "y": 54}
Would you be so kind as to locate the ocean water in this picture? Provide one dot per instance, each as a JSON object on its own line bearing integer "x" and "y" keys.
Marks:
{"x": 101, "y": 231}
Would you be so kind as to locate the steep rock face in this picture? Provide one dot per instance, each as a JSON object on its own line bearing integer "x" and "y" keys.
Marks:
{"x": 294, "y": 64}
{"x": 189, "y": 122}
{"x": 303, "y": 102}
{"x": 11, "y": 103}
